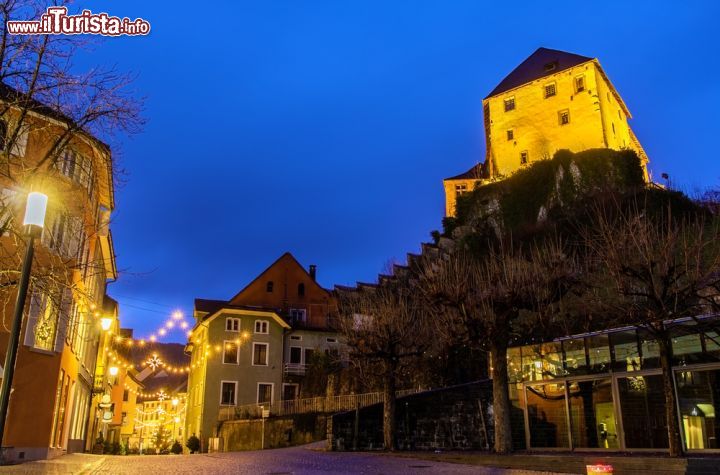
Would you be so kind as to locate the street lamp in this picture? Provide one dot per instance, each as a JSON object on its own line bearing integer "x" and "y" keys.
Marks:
{"x": 33, "y": 223}
{"x": 113, "y": 370}
{"x": 106, "y": 323}
{"x": 175, "y": 401}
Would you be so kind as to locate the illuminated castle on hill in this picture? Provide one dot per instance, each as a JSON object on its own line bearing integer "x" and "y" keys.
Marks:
{"x": 553, "y": 100}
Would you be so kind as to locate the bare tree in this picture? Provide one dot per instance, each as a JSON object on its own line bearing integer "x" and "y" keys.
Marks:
{"x": 55, "y": 120}
{"x": 487, "y": 299}
{"x": 386, "y": 330}
{"x": 652, "y": 270}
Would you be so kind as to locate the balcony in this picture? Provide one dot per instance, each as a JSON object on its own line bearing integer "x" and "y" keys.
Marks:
{"x": 294, "y": 369}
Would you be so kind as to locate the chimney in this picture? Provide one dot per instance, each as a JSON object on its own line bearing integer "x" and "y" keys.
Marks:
{"x": 313, "y": 271}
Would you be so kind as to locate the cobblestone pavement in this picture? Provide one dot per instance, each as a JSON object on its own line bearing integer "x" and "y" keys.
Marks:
{"x": 295, "y": 460}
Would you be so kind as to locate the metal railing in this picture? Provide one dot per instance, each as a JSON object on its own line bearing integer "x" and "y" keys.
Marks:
{"x": 346, "y": 402}
{"x": 295, "y": 368}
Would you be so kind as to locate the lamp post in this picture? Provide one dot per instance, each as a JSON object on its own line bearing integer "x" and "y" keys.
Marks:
{"x": 33, "y": 222}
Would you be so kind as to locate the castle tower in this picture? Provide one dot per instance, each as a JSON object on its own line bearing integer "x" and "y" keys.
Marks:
{"x": 553, "y": 100}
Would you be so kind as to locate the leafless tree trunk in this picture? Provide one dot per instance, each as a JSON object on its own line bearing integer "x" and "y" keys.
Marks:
{"x": 487, "y": 298}
{"x": 652, "y": 269}
{"x": 386, "y": 329}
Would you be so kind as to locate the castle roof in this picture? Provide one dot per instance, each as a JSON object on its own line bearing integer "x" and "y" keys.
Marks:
{"x": 475, "y": 173}
{"x": 543, "y": 62}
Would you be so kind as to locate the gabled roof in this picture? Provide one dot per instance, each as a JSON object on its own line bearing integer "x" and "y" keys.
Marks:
{"x": 543, "y": 62}
{"x": 284, "y": 256}
{"x": 208, "y": 305}
{"x": 475, "y": 173}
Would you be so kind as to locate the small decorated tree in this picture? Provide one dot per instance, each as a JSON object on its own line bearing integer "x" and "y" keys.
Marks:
{"x": 193, "y": 444}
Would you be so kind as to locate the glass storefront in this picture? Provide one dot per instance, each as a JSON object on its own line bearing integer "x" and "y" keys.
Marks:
{"x": 604, "y": 391}
{"x": 547, "y": 418}
{"x": 699, "y": 401}
{"x": 592, "y": 414}
{"x": 642, "y": 404}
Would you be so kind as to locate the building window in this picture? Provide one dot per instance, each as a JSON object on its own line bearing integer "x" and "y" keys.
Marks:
{"x": 232, "y": 324}
{"x": 126, "y": 394}
{"x": 301, "y": 290}
{"x": 230, "y": 353}
{"x": 296, "y": 337}
{"x": 295, "y": 355}
{"x": 550, "y": 90}
{"x": 297, "y": 315}
{"x": 613, "y": 127}
{"x": 261, "y": 326}
{"x": 260, "y": 354}
{"x": 265, "y": 393}
{"x": 331, "y": 340}
{"x": 580, "y": 84}
{"x": 523, "y": 157}
{"x": 510, "y": 134}
{"x": 564, "y": 117}
{"x": 551, "y": 66}
{"x": 509, "y": 104}
{"x": 228, "y": 393}
{"x": 269, "y": 286}
{"x": 77, "y": 167}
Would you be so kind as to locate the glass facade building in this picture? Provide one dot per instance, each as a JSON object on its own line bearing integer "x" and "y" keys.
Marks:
{"x": 604, "y": 391}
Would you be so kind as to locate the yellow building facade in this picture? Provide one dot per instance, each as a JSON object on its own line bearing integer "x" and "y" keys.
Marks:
{"x": 552, "y": 101}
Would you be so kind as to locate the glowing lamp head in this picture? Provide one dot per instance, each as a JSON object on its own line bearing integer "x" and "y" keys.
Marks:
{"x": 177, "y": 419}
{"x": 113, "y": 370}
{"x": 106, "y": 323}
{"x": 175, "y": 401}
{"x": 35, "y": 210}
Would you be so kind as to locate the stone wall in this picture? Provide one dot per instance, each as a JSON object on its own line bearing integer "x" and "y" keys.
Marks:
{"x": 459, "y": 417}
{"x": 279, "y": 432}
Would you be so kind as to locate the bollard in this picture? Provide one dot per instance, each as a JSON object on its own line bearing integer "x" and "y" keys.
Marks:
{"x": 595, "y": 469}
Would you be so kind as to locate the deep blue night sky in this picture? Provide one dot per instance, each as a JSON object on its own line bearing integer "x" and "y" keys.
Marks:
{"x": 325, "y": 128}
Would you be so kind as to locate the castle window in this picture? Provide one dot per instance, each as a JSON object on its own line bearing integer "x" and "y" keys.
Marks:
{"x": 301, "y": 290}
{"x": 269, "y": 286}
{"x": 509, "y": 104}
{"x": 510, "y": 134}
{"x": 523, "y": 157}
{"x": 550, "y": 90}
{"x": 579, "y": 83}
{"x": 460, "y": 189}
{"x": 613, "y": 127}
{"x": 551, "y": 66}
{"x": 564, "y": 117}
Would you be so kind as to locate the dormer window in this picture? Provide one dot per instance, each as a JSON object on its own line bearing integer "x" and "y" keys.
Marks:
{"x": 269, "y": 286}
{"x": 551, "y": 66}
